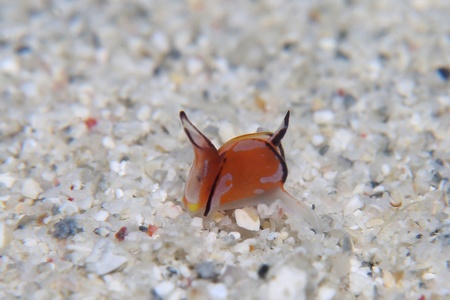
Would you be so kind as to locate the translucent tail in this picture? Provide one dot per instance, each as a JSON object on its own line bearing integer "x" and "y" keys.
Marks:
{"x": 295, "y": 208}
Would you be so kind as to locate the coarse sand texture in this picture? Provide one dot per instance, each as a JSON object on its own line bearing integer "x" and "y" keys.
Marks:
{"x": 94, "y": 160}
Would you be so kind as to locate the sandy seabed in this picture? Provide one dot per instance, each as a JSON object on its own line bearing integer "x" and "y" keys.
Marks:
{"x": 94, "y": 159}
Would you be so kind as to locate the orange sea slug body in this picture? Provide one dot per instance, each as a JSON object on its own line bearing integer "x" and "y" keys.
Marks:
{"x": 246, "y": 170}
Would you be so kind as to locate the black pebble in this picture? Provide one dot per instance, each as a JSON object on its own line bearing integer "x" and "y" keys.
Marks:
{"x": 23, "y": 50}
{"x": 444, "y": 72}
{"x": 262, "y": 272}
{"x": 174, "y": 54}
{"x": 65, "y": 228}
{"x": 287, "y": 46}
{"x": 172, "y": 271}
{"x": 349, "y": 100}
{"x": 206, "y": 270}
{"x": 323, "y": 150}
{"x": 374, "y": 184}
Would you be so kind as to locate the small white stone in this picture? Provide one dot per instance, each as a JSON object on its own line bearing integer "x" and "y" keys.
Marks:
{"x": 2, "y": 234}
{"x": 48, "y": 175}
{"x": 290, "y": 283}
{"x": 115, "y": 284}
{"x": 76, "y": 184}
{"x": 385, "y": 169}
{"x": 119, "y": 193}
{"x": 241, "y": 248}
{"x": 31, "y": 189}
{"x": 379, "y": 188}
{"x": 375, "y": 222}
{"x": 247, "y": 218}
{"x": 317, "y": 139}
{"x": 194, "y": 65}
{"x": 197, "y": 222}
{"x": 172, "y": 211}
{"x": 184, "y": 271}
{"x": 115, "y": 166}
{"x": 405, "y": 87}
{"x": 226, "y": 131}
{"x": 221, "y": 64}
{"x": 29, "y": 145}
{"x": 428, "y": 276}
{"x": 85, "y": 202}
{"x": 164, "y": 288}
{"x": 323, "y": 116}
{"x": 157, "y": 197}
{"x": 217, "y": 291}
{"x": 225, "y": 221}
{"x": 9, "y": 65}
{"x": 160, "y": 41}
{"x": 30, "y": 242}
{"x": 69, "y": 207}
{"x": 330, "y": 175}
{"x": 388, "y": 279}
{"x": 123, "y": 168}
{"x": 108, "y": 263}
{"x": 374, "y": 67}
{"x": 108, "y": 142}
{"x": 326, "y": 293}
{"x": 359, "y": 283}
{"x": 417, "y": 121}
{"x": 217, "y": 216}
{"x": 289, "y": 241}
{"x": 353, "y": 204}
{"x": 29, "y": 89}
{"x": 341, "y": 139}
{"x": 81, "y": 112}
{"x": 7, "y": 180}
{"x": 101, "y": 216}
{"x": 327, "y": 43}
{"x": 102, "y": 260}
{"x": 144, "y": 113}
{"x": 444, "y": 100}
{"x": 283, "y": 235}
